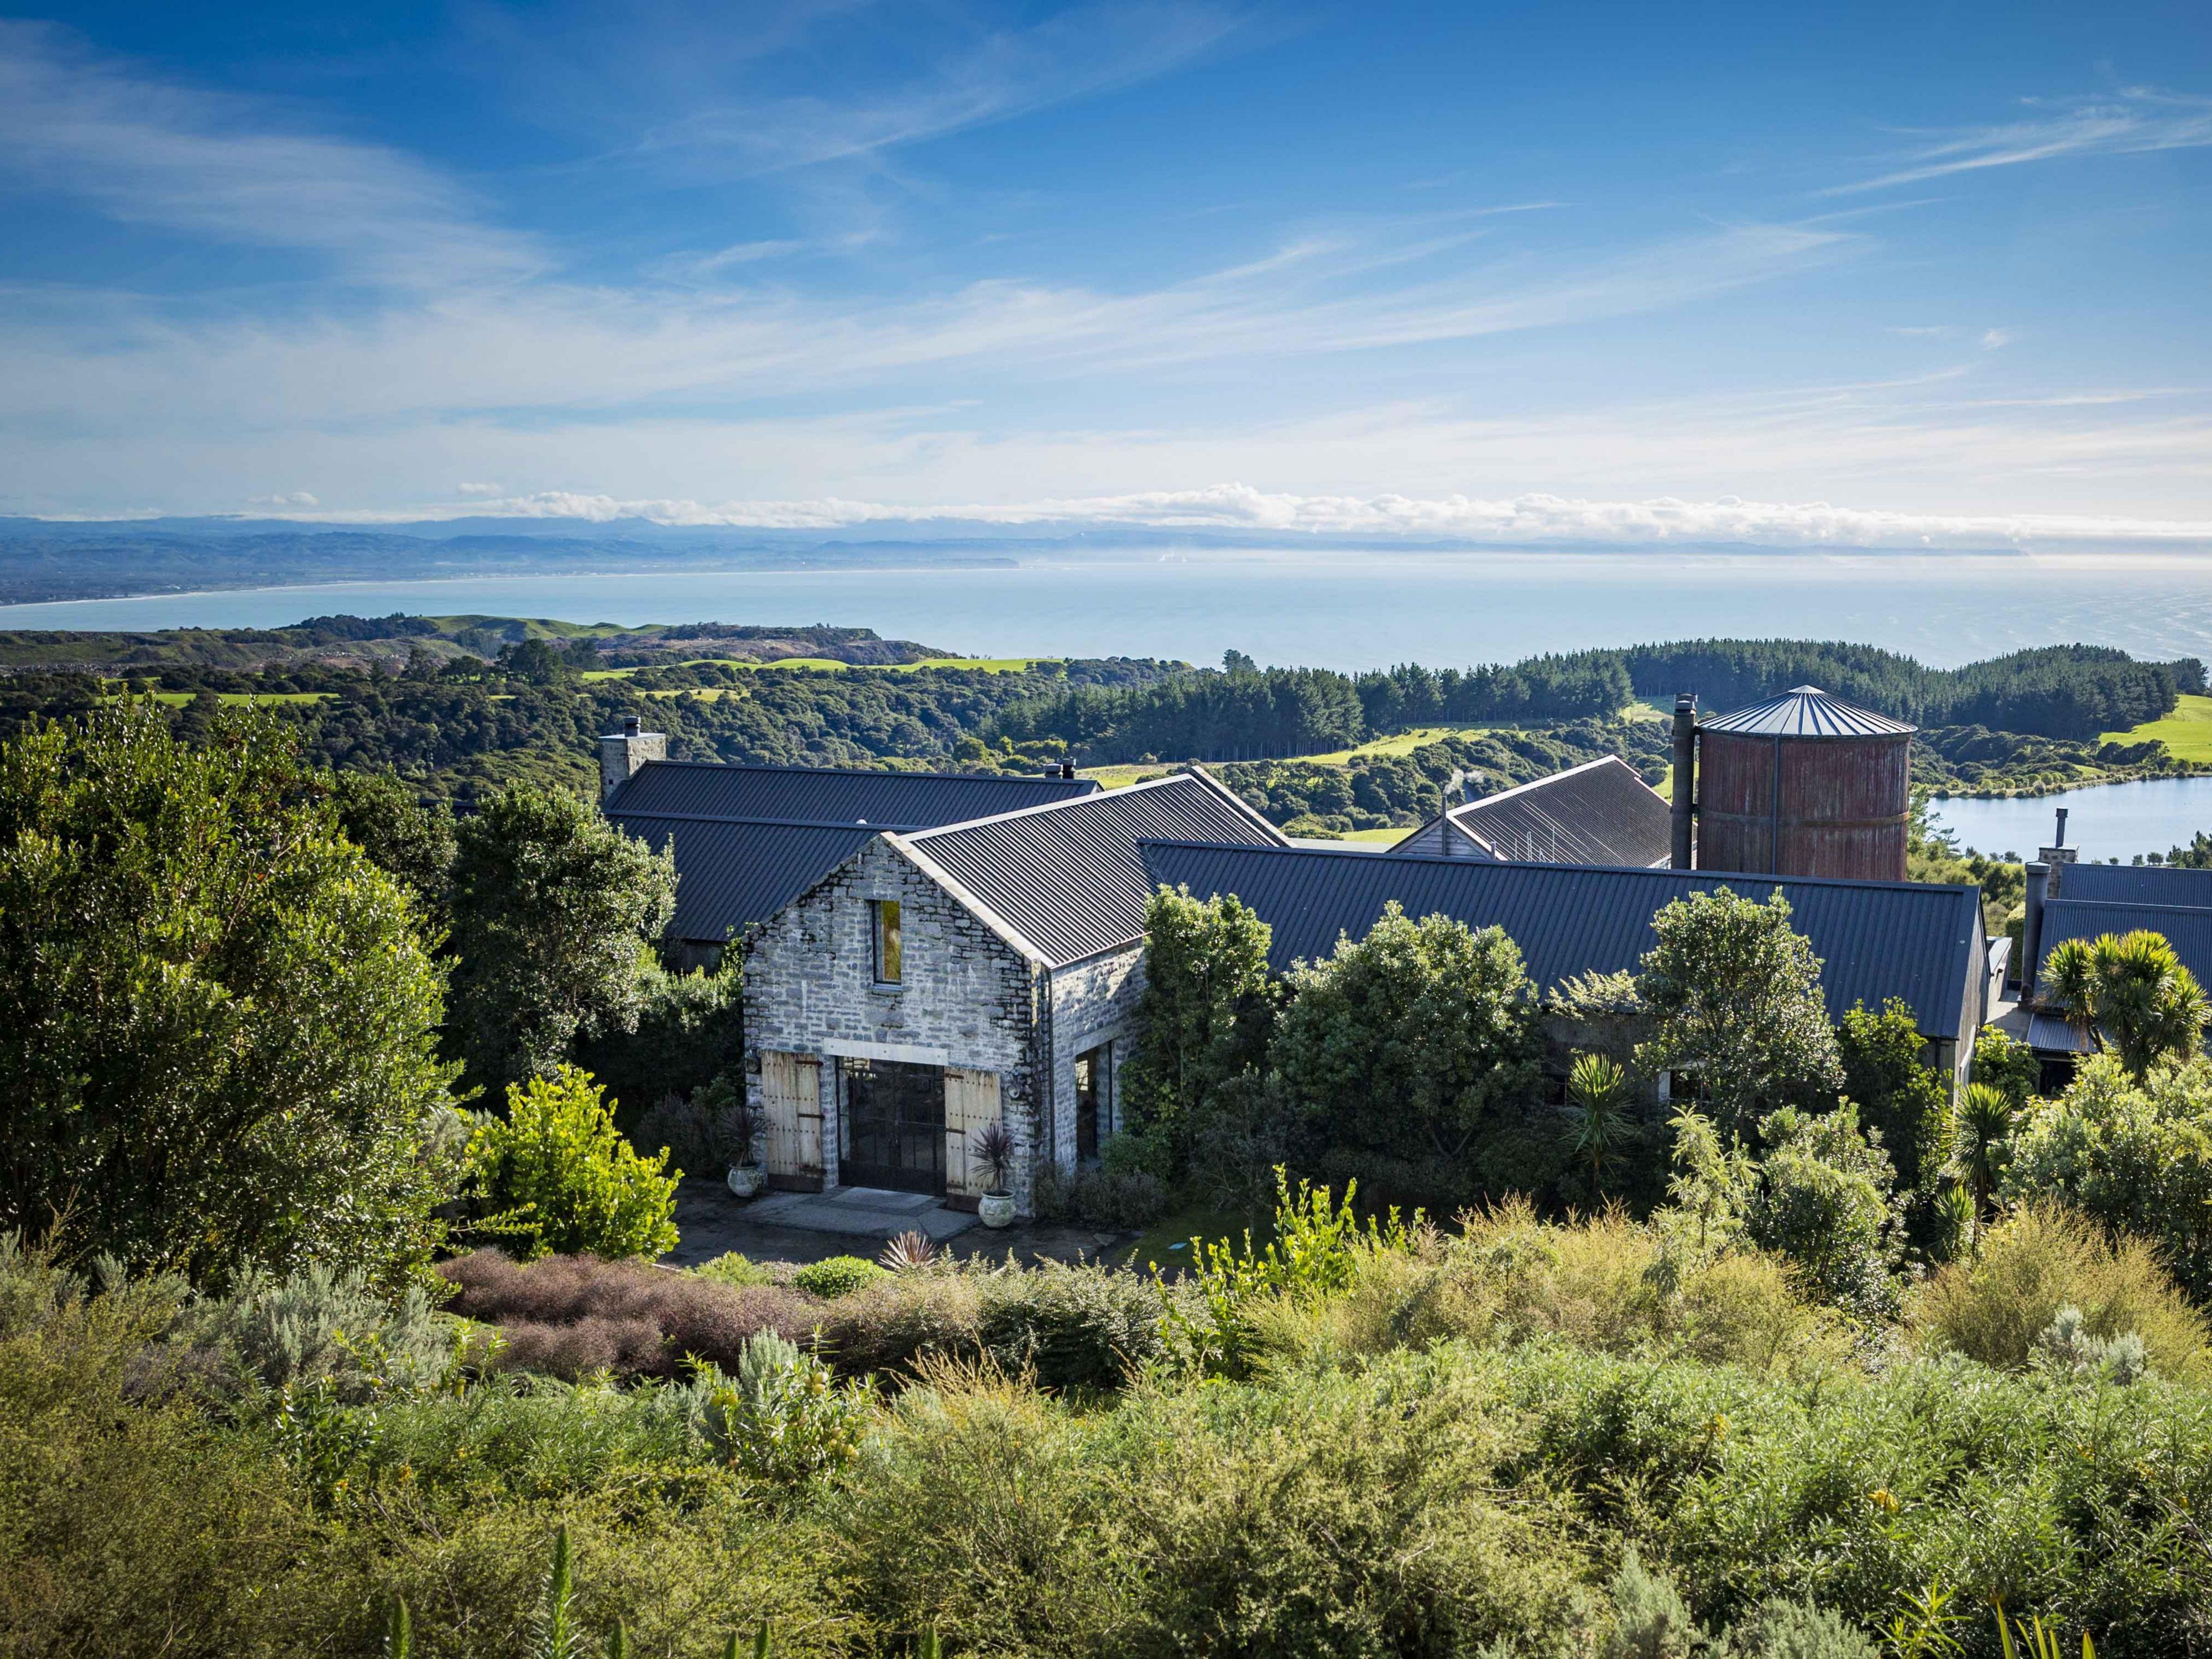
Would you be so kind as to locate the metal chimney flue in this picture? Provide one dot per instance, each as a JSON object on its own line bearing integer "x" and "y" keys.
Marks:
{"x": 1685, "y": 810}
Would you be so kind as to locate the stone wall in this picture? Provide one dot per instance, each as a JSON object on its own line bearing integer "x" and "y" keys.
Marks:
{"x": 1093, "y": 1002}
{"x": 966, "y": 998}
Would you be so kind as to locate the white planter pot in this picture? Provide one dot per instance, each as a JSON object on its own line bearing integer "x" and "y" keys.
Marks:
{"x": 746, "y": 1179}
{"x": 995, "y": 1209}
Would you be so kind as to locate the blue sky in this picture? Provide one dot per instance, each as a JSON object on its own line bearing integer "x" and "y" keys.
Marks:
{"x": 1911, "y": 275}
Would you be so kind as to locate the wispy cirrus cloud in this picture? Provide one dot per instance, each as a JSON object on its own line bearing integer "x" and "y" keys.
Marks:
{"x": 147, "y": 151}
{"x": 2136, "y": 121}
{"x": 994, "y": 75}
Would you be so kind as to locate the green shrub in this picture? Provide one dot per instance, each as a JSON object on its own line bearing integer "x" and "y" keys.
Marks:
{"x": 897, "y": 1323}
{"x": 1608, "y": 1285}
{"x": 1097, "y": 1198}
{"x": 1370, "y": 1516}
{"x": 217, "y": 1019}
{"x": 1857, "y": 1493}
{"x": 1822, "y": 1198}
{"x": 1071, "y": 1328}
{"x": 1993, "y": 1306}
{"x": 2135, "y": 1156}
{"x": 782, "y": 1417}
{"x": 733, "y": 1267}
{"x": 837, "y": 1275}
{"x": 556, "y": 1174}
{"x": 319, "y": 1326}
{"x": 2006, "y": 1064}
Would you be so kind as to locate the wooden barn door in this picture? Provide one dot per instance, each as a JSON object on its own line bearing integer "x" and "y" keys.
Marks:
{"x": 791, "y": 1093}
{"x": 971, "y": 1100}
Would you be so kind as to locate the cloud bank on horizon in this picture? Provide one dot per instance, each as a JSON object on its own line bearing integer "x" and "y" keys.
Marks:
{"x": 1535, "y": 519}
{"x": 1593, "y": 274}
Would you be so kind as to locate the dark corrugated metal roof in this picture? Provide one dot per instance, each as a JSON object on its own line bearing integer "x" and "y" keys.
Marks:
{"x": 1600, "y": 812}
{"x": 730, "y": 876}
{"x": 1875, "y": 939}
{"x": 802, "y": 794}
{"x": 1068, "y": 877}
{"x": 2052, "y": 1035}
{"x": 2187, "y": 928}
{"x": 1806, "y": 711}
{"x": 2138, "y": 883}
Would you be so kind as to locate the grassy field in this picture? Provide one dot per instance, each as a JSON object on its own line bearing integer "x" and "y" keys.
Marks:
{"x": 2186, "y": 733}
{"x": 988, "y": 664}
{"x": 179, "y": 699}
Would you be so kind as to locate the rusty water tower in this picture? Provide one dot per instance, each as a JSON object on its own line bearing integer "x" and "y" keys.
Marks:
{"x": 1803, "y": 784}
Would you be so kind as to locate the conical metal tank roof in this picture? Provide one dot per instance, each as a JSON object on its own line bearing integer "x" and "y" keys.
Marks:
{"x": 1806, "y": 711}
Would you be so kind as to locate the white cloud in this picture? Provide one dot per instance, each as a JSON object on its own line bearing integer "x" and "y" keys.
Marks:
{"x": 1994, "y": 339}
{"x": 1517, "y": 521}
{"x": 478, "y": 490}
{"x": 2137, "y": 121}
{"x": 295, "y": 498}
{"x": 1004, "y": 73}
{"x": 210, "y": 165}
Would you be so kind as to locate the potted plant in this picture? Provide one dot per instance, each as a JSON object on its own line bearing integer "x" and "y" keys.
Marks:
{"x": 993, "y": 1148}
{"x": 735, "y": 1131}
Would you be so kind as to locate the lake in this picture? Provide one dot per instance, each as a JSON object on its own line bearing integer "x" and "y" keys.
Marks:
{"x": 2113, "y": 820}
{"x": 1347, "y": 611}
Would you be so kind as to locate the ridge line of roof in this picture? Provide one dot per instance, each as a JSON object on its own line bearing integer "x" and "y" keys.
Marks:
{"x": 617, "y": 812}
{"x": 1747, "y": 876}
{"x": 1549, "y": 777}
{"x": 864, "y": 772}
{"x": 1061, "y": 805}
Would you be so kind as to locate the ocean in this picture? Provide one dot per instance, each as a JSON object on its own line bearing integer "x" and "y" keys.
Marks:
{"x": 1345, "y": 611}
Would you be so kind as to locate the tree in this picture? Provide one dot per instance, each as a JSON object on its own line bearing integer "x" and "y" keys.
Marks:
{"x": 379, "y": 814}
{"x": 1598, "y": 1123}
{"x": 556, "y": 1173}
{"x": 1734, "y": 992}
{"x": 1906, "y": 1102}
{"x": 1979, "y": 1129}
{"x": 217, "y": 1018}
{"x": 1822, "y": 1197}
{"x": 2130, "y": 993}
{"x": 1415, "y": 1040}
{"x": 554, "y": 911}
{"x": 2006, "y": 1064}
{"x": 2133, "y": 1151}
{"x": 1209, "y": 1013}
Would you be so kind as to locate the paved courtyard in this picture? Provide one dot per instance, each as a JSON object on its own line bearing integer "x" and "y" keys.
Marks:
{"x": 857, "y": 1221}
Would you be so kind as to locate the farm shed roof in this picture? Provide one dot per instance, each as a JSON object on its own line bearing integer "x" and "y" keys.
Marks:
{"x": 1875, "y": 939}
{"x": 1067, "y": 877}
{"x": 1598, "y": 812}
{"x": 806, "y": 794}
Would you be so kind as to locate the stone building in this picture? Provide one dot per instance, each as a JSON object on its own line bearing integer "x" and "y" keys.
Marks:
{"x": 938, "y": 981}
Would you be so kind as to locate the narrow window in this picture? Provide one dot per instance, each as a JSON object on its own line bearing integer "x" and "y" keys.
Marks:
{"x": 1094, "y": 1100}
{"x": 887, "y": 955}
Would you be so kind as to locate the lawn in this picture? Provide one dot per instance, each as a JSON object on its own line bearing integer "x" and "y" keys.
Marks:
{"x": 2186, "y": 733}
{"x": 179, "y": 699}
{"x": 988, "y": 664}
{"x": 1167, "y": 1241}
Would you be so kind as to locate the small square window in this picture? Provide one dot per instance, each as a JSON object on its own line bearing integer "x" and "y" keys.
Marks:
{"x": 889, "y": 960}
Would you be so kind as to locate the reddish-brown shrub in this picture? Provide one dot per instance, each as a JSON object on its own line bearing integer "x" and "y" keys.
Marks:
{"x": 570, "y": 1316}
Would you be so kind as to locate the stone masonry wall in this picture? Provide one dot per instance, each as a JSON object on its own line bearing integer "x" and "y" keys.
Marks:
{"x": 967, "y": 998}
{"x": 1092, "y": 1002}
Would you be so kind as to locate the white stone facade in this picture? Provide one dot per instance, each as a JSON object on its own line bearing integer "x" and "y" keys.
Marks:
{"x": 969, "y": 996}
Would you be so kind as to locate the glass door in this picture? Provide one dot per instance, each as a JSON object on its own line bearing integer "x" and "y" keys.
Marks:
{"x": 892, "y": 1126}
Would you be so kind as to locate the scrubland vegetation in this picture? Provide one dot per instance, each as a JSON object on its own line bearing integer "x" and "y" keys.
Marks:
{"x": 326, "y": 1291}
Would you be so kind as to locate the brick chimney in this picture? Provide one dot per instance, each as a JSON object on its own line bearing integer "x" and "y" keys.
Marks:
{"x": 621, "y": 753}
